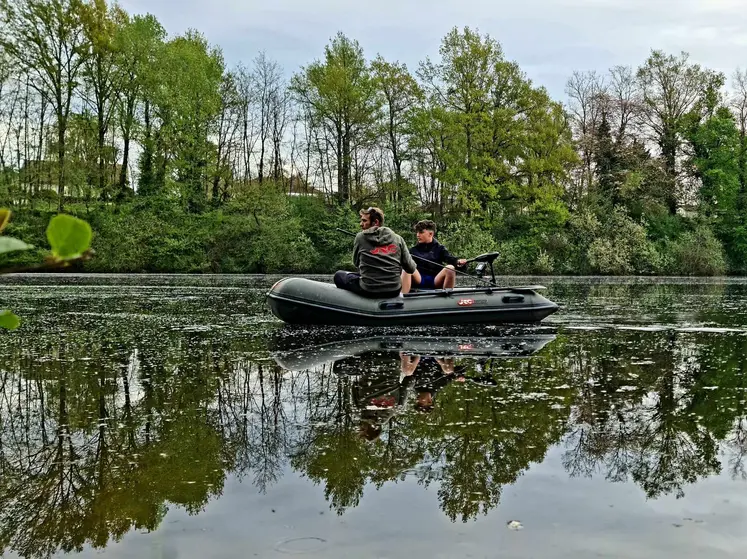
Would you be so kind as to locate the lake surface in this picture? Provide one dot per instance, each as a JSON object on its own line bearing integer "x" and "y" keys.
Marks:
{"x": 173, "y": 416}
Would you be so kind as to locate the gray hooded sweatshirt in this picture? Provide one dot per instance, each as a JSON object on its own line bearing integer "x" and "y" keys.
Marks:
{"x": 380, "y": 256}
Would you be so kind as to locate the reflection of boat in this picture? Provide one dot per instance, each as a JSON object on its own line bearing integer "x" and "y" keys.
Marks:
{"x": 304, "y": 301}
{"x": 425, "y": 346}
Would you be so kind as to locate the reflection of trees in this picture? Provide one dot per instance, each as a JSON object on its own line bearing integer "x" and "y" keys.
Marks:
{"x": 654, "y": 413}
{"x": 719, "y": 401}
{"x": 98, "y": 439}
{"x": 102, "y": 431}
{"x": 331, "y": 450}
{"x": 654, "y": 407}
{"x": 475, "y": 440}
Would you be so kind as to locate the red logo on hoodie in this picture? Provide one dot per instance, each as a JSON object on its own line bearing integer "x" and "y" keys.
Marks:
{"x": 389, "y": 249}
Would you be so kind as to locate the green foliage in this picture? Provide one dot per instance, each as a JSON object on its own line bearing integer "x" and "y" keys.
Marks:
{"x": 501, "y": 141}
{"x": 273, "y": 233}
{"x": 608, "y": 244}
{"x": 735, "y": 247}
{"x": 8, "y": 320}
{"x": 467, "y": 239}
{"x": 9, "y": 244}
{"x": 68, "y": 236}
{"x": 622, "y": 248}
{"x": 319, "y": 222}
{"x": 697, "y": 253}
{"x": 715, "y": 145}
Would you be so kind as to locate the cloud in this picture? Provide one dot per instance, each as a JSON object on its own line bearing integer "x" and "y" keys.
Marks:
{"x": 548, "y": 38}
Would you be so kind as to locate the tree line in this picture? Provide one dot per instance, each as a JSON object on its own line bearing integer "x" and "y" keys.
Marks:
{"x": 638, "y": 170}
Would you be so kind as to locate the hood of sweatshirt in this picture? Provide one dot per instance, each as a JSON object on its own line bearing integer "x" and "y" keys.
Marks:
{"x": 379, "y": 235}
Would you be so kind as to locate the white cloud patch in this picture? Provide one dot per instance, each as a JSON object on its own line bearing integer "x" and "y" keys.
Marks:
{"x": 548, "y": 38}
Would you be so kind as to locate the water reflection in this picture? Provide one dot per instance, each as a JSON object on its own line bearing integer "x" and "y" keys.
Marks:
{"x": 441, "y": 409}
{"x": 105, "y": 425}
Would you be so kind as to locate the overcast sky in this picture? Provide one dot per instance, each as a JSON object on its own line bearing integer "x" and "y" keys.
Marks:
{"x": 548, "y": 38}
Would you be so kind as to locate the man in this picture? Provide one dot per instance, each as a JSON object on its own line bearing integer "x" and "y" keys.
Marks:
{"x": 431, "y": 276}
{"x": 380, "y": 255}
{"x": 429, "y": 375}
{"x": 378, "y": 392}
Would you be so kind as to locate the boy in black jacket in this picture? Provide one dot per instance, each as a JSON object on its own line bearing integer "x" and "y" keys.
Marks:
{"x": 431, "y": 276}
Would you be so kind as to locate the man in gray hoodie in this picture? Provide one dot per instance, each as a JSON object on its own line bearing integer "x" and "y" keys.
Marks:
{"x": 380, "y": 256}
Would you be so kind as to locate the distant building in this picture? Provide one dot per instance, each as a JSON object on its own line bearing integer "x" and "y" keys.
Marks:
{"x": 298, "y": 187}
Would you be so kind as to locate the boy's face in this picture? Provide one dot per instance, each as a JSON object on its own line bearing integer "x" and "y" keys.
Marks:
{"x": 424, "y": 236}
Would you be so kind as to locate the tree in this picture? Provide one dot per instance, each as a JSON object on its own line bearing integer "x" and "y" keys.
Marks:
{"x": 587, "y": 93}
{"x": 102, "y": 74}
{"x": 502, "y": 143}
{"x": 739, "y": 106}
{"x": 137, "y": 44}
{"x": 10, "y": 104}
{"x": 606, "y": 164}
{"x": 46, "y": 39}
{"x": 401, "y": 96}
{"x": 279, "y": 109}
{"x": 622, "y": 102}
{"x": 340, "y": 96}
{"x": 267, "y": 78}
{"x": 714, "y": 160}
{"x": 188, "y": 102}
{"x": 671, "y": 87}
{"x": 228, "y": 124}
{"x": 463, "y": 83}
{"x": 714, "y": 144}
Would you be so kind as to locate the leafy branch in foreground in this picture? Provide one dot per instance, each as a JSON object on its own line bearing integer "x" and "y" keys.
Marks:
{"x": 69, "y": 239}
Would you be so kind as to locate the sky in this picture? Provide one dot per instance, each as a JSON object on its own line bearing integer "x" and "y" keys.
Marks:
{"x": 548, "y": 38}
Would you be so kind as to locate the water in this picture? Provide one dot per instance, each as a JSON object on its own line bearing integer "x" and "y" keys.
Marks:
{"x": 173, "y": 416}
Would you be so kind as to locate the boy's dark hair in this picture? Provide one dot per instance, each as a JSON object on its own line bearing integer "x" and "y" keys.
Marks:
{"x": 425, "y": 225}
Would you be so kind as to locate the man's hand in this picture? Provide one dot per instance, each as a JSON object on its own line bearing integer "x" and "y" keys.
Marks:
{"x": 462, "y": 262}
{"x": 408, "y": 363}
{"x": 447, "y": 364}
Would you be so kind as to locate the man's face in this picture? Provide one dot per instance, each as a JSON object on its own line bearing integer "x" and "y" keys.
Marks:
{"x": 424, "y": 236}
{"x": 365, "y": 221}
{"x": 424, "y": 401}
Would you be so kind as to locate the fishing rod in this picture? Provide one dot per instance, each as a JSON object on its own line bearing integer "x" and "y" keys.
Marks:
{"x": 486, "y": 282}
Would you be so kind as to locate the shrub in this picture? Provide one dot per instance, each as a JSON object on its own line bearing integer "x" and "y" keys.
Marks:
{"x": 467, "y": 238}
{"x": 697, "y": 253}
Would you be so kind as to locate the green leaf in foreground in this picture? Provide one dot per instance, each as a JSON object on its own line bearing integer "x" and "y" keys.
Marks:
{"x": 8, "y": 320}
{"x": 68, "y": 236}
{"x": 9, "y": 244}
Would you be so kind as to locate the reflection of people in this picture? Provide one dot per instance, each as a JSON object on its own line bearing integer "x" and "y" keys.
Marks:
{"x": 430, "y": 254}
{"x": 429, "y": 375}
{"x": 379, "y": 394}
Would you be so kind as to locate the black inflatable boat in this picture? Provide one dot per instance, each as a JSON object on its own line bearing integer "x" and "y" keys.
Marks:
{"x": 304, "y": 301}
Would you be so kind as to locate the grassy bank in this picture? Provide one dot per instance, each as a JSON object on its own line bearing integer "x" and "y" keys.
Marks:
{"x": 282, "y": 234}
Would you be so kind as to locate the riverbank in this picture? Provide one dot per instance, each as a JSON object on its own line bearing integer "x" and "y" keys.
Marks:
{"x": 298, "y": 236}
